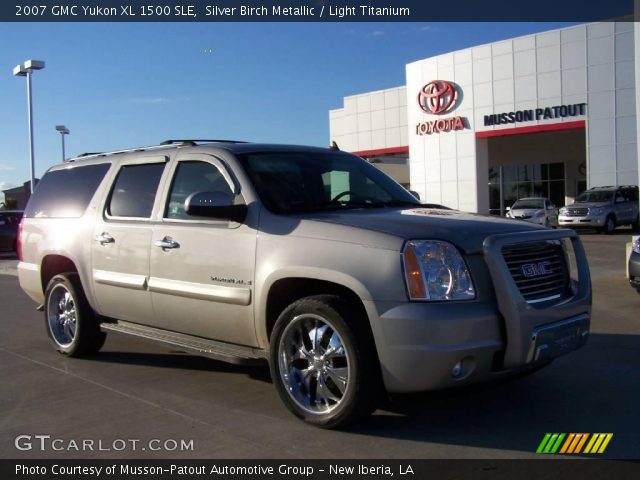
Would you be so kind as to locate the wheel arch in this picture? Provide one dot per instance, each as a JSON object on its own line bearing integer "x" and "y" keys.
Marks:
{"x": 54, "y": 264}
{"x": 283, "y": 289}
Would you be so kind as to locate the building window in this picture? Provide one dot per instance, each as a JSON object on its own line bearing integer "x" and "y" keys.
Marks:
{"x": 508, "y": 183}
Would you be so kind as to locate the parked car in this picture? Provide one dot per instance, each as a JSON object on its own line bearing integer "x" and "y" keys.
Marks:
{"x": 535, "y": 210}
{"x": 308, "y": 258}
{"x": 603, "y": 208}
{"x": 9, "y": 221}
{"x": 634, "y": 265}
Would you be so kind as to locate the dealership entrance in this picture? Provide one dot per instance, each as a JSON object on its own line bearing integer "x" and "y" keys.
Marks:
{"x": 548, "y": 164}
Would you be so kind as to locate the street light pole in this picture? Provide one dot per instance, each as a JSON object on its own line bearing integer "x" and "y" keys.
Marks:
{"x": 63, "y": 131}
{"x": 26, "y": 70}
{"x": 31, "y": 149}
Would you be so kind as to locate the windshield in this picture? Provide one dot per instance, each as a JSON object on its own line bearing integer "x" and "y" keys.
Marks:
{"x": 595, "y": 197}
{"x": 529, "y": 204}
{"x": 291, "y": 182}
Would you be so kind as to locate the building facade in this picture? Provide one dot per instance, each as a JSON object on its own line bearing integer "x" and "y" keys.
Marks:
{"x": 546, "y": 115}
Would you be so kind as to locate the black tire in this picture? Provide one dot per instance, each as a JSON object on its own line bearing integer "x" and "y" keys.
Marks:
{"x": 72, "y": 327}
{"x": 310, "y": 397}
{"x": 609, "y": 225}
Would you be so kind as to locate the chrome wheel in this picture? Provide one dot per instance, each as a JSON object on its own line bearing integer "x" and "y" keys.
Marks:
{"x": 61, "y": 315}
{"x": 313, "y": 364}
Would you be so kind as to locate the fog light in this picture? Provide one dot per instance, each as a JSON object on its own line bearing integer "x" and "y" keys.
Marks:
{"x": 456, "y": 371}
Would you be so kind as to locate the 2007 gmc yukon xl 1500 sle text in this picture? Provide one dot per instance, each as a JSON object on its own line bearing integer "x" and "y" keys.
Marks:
{"x": 309, "y": 258}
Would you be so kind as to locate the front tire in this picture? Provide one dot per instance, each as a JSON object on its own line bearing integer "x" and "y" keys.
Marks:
{"x": 70, "y": 321}
{"x": 609, "y": 225}
{"x": 323, "y": 362}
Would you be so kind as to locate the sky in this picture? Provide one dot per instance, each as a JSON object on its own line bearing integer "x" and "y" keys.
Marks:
{"x": 121, "y": 85}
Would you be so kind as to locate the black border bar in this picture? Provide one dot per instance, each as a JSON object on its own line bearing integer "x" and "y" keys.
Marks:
{"x": 314, "y": 11}
{"x": 535, "y": 469}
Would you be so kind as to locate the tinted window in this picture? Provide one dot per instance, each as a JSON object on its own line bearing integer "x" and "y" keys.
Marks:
{"x": 299, "y": 181}
{"x": 67, "y": 192}
{"x": 595, "y": 196}
{"x": 134, "y": 190}
{"x": 192, "y": 177}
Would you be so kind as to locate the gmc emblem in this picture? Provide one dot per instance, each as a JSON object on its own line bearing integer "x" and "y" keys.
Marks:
{"x": 536, "y": 269}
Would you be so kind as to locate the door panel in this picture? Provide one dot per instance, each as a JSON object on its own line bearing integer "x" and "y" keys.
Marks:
{"x": 121, "y": 242}
{"x": 204, "y": 287}
{"x": 120, "y": 271}
{"x": 202, "y": 270}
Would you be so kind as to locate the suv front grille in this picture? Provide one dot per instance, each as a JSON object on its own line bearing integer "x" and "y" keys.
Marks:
{"x": 538, "y": 268}
{"x": 577, "y": 211}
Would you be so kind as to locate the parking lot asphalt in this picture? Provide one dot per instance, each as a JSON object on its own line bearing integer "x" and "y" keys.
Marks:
{"x": 134, "y": 390}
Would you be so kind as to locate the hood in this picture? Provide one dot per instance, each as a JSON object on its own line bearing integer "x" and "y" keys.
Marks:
{"x": 589, "y": 204}
{"x": 527, "y": 212}
{"x": 465, "y": 230}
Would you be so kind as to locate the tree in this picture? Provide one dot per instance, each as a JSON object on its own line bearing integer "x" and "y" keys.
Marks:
{"x": 10, "y": 204}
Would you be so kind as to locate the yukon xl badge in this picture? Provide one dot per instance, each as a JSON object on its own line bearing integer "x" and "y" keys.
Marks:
{"x": 536, "y": 269}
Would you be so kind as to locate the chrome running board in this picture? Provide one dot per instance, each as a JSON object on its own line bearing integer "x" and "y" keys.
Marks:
{"x": 226, "y": 352}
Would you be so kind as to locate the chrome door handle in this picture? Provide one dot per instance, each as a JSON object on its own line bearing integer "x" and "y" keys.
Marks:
{"x": 104, "y": 238}
{"x": 166, "y": 242}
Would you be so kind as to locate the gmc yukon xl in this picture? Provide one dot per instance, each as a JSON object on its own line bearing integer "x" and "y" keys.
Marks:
{"x": 309, "y": 258}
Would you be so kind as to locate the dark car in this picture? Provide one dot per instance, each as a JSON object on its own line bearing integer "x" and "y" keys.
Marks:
{"x": 9, "y": 220}
{"x": 634, "y": 265}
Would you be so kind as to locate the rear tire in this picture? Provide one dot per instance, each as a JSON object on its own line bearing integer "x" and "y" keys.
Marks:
{"x": 70, "y": 321}
{"x": 323, "y": 362}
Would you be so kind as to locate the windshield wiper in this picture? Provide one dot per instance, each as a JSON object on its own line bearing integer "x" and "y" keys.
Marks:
{"x": 400, "y": 203}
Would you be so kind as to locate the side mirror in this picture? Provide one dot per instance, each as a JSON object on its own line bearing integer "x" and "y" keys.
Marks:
{"x": 214, "y": 205}
{"x": 415, "y": 194}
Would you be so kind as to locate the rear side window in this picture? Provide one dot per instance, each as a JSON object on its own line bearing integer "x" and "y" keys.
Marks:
{"x": 66, "y": 193}
{"x": 134, "y": 190}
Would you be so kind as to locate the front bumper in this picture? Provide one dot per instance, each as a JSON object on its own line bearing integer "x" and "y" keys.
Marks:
{"x": 535, "y": 220}
{"x": 585, "y": 222}
{"x": 428, "y": 346}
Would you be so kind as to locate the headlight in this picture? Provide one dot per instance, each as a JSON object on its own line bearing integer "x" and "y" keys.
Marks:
{"x": 434, "y": 270}
{"x": 636, "y": 246}
{"x": 596, "y": 210}
{"x": 540, "y": 214}
{"x": 563, "y": 211}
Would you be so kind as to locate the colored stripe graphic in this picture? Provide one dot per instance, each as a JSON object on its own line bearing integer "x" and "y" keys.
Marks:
{"x": 598, "y": 443}
{"x": 565, "y": 447}
{"x": 543, "y": 443}
{"x": 573, "y": 443}
{"x": 581, "y": 442}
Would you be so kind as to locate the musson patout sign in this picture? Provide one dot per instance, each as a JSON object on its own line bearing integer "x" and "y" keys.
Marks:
{"x": 436, "y": 98}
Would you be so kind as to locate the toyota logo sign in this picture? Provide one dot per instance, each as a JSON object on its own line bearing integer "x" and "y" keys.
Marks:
{"x": 437, "y": 96}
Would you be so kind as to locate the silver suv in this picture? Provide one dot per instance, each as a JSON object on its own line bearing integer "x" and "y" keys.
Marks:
{"x": 311, "y": 259}
{"x": 603, "y": 208}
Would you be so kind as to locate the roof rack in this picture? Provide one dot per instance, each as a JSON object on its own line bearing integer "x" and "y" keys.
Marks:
{"x": 165, "y": 144}
{"x": 87, "y": 154}
{"x": 191, "y": 142}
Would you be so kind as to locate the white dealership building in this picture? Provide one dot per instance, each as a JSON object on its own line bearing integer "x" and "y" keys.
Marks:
{"x": 548, "y": 114}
